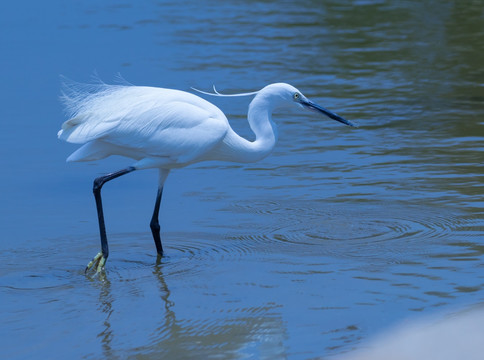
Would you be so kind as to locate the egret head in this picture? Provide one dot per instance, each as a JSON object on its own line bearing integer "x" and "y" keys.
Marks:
{"x": 283, "y": 95}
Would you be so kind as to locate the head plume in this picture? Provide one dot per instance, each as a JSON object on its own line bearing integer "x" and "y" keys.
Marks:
{"x": 216, "y": 93}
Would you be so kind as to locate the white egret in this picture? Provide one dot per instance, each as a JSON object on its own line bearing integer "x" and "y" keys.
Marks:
{"x": 166, "y": 129}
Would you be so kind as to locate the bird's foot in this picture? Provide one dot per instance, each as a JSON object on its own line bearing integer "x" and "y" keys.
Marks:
{"x": 96, "y": 263}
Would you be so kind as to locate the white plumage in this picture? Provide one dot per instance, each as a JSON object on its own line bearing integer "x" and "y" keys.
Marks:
{"x": 163, "y": 126}
{"x": 166, "y": 129}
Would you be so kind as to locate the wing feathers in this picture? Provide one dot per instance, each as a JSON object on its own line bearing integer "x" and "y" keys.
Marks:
{"x": 144, "y": 120}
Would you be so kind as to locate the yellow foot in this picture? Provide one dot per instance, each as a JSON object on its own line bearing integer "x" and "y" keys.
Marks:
{"x": 96, "y": 263}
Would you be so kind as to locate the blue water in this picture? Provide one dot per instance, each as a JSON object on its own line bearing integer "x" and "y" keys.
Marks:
{"x": 336, "y": 236}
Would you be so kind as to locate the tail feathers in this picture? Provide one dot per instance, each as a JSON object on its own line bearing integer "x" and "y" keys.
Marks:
{"x": 72, "y": 123}
{"x": 78, "y": 130}
{"x": 93, "y": 150}
{"x": 68, "y": 127}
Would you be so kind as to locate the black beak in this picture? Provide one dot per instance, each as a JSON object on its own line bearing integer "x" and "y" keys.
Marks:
{"x": 315, "y": 107}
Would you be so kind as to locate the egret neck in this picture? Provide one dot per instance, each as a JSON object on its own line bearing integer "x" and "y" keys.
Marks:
{"x": 238, "y": 149}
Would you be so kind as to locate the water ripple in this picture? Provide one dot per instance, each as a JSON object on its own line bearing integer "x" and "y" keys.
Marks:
{"x": 391, "y": 233}
{"x": 367, "y": 230}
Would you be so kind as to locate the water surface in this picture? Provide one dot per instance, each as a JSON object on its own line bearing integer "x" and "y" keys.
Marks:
{"x": 340, "y": 234}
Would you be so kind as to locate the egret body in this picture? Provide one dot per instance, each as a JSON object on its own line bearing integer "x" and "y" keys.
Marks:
{"x": 166, "y": 129}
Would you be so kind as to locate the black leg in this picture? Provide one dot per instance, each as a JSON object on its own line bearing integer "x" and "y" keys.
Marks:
{"x": 98, "y": 184}
{"x": 154, "y": 224}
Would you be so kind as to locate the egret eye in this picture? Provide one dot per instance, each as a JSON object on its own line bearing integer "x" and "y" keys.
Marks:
{"x": 296, "y": 96}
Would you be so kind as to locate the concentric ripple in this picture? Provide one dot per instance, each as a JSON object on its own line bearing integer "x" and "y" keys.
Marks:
{"x": 258, "y": 230}
{"x": 391, "y": 232}
{"x": 362, "y": 230}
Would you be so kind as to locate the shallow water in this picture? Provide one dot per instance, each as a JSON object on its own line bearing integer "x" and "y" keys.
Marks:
{"x": 340, "y": 234}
